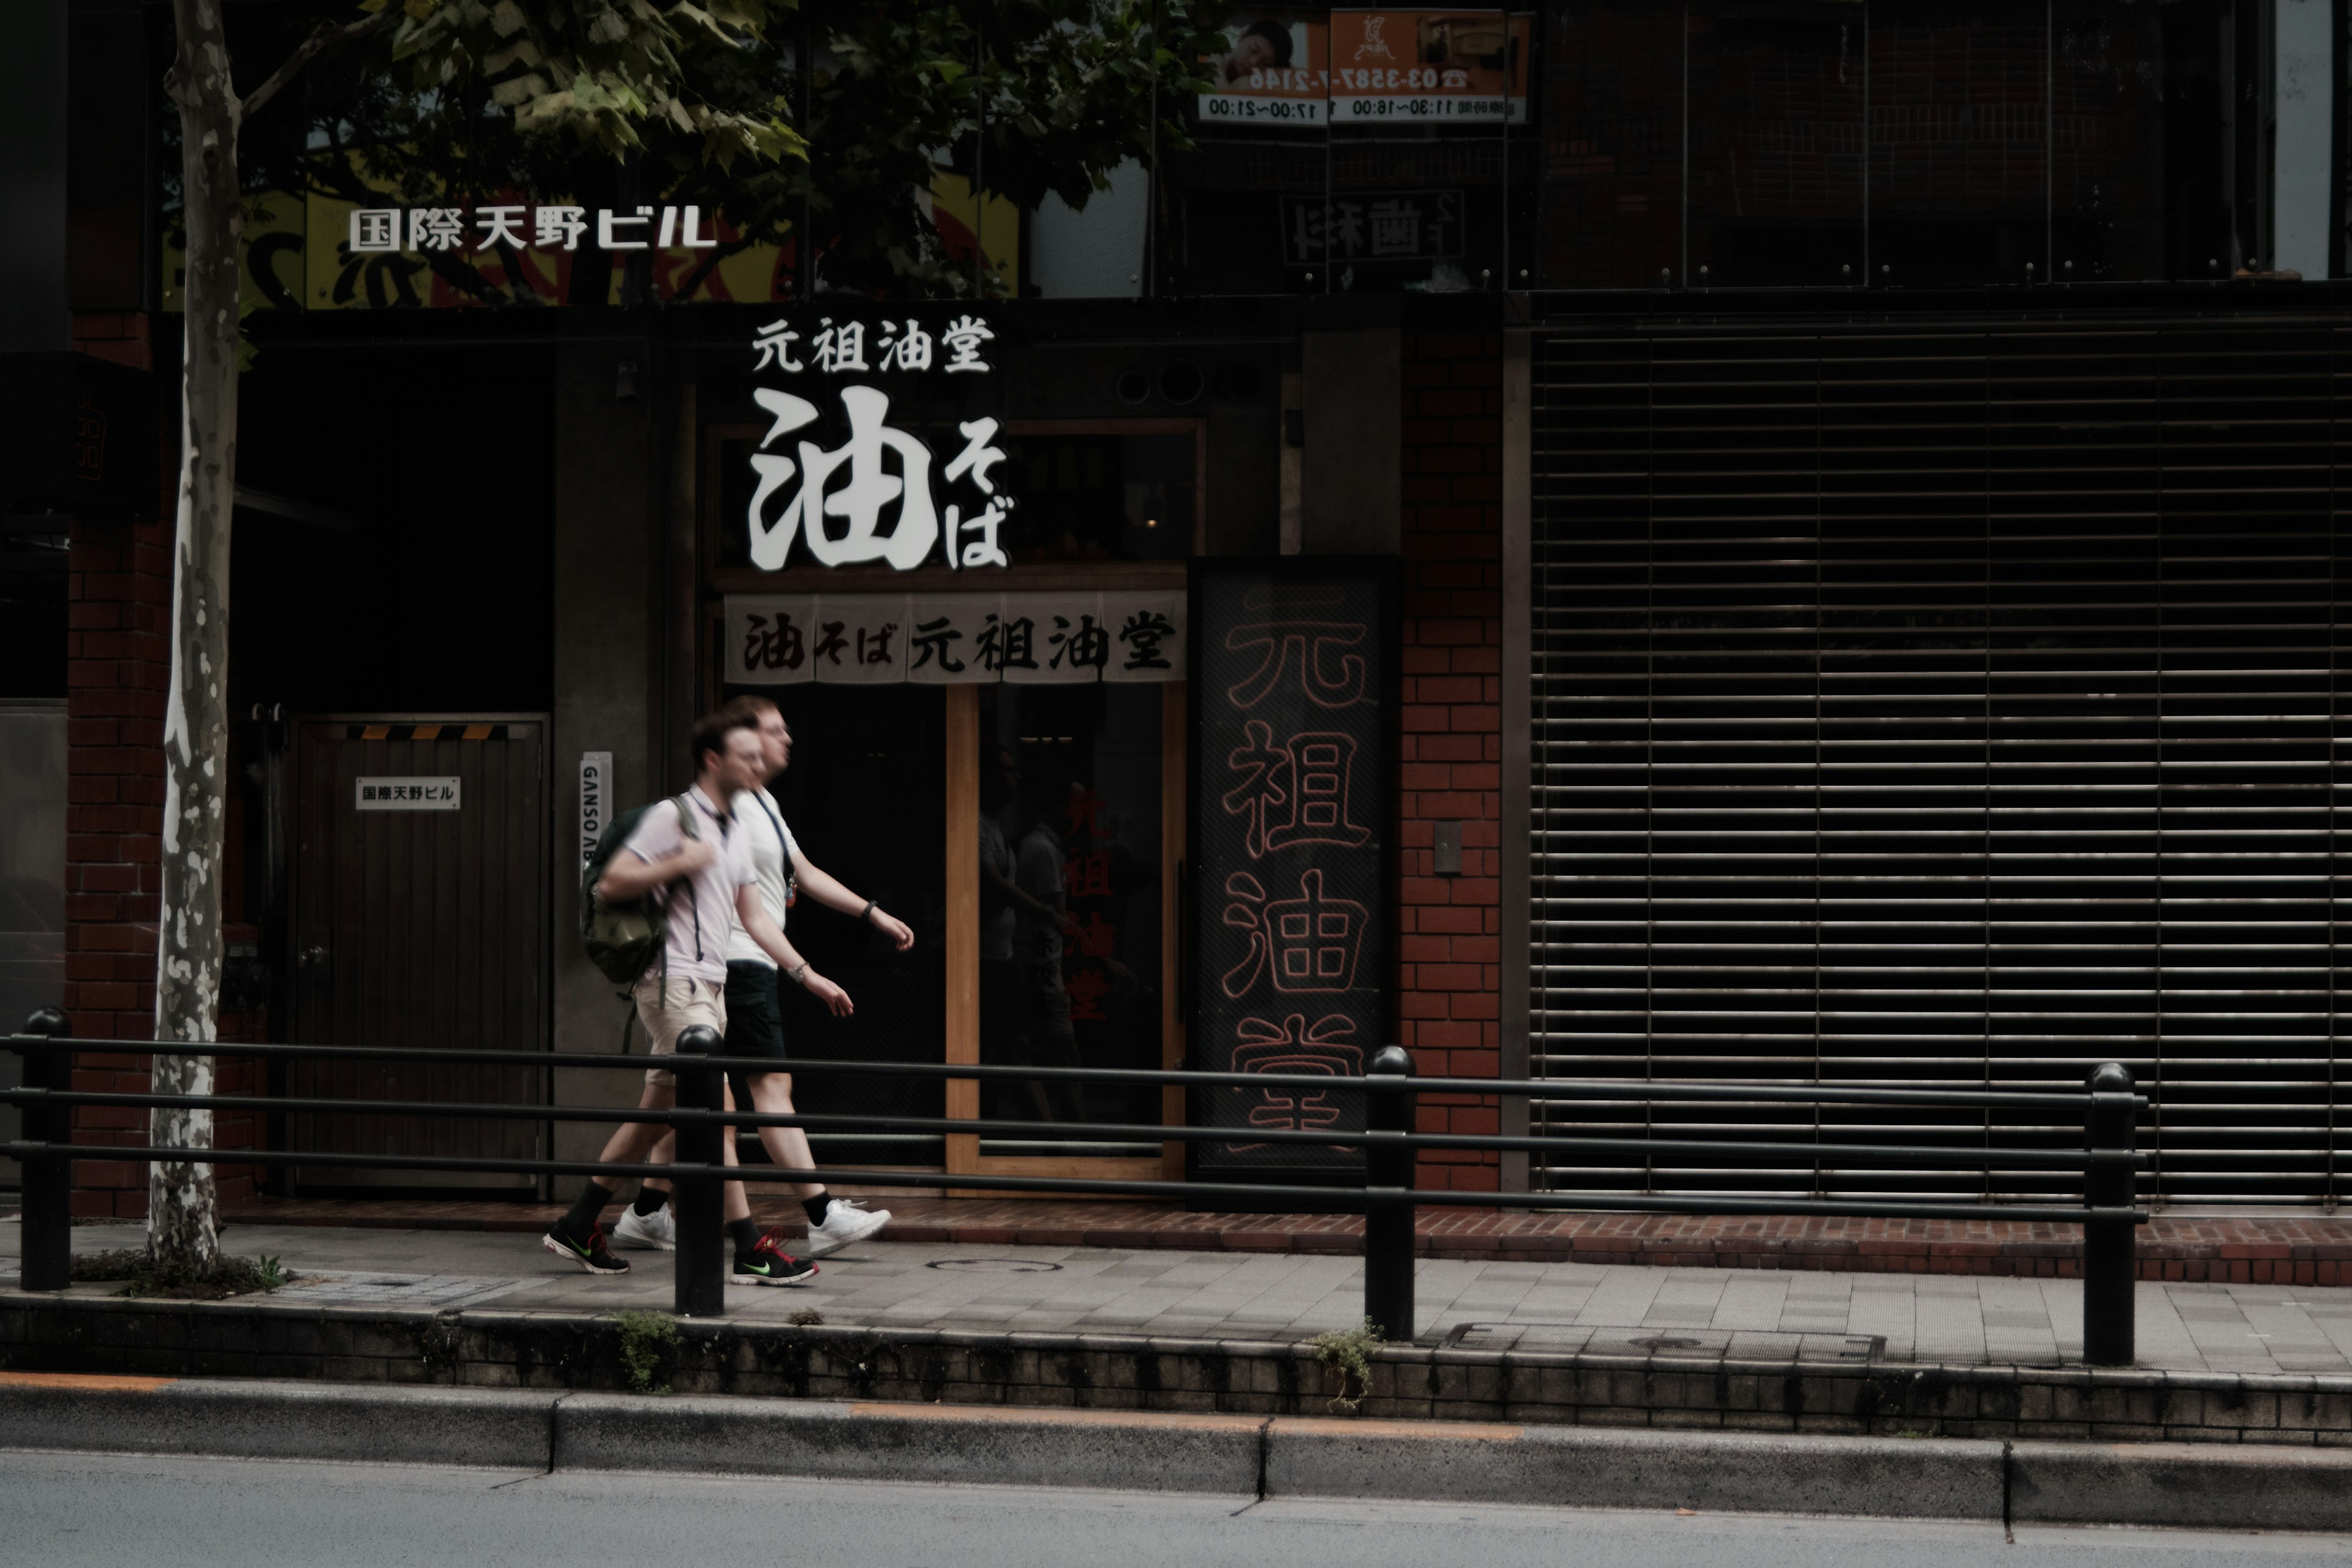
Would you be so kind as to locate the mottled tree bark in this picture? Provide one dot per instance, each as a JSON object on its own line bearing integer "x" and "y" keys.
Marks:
{"x": 183, "y": 1218}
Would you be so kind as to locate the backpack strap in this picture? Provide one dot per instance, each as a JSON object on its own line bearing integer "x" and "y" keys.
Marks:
{"x": 784, "y": 842}
{"x": 685, "y": 808}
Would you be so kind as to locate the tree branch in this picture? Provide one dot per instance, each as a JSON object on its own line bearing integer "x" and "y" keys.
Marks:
{"x": 329, "y": 36}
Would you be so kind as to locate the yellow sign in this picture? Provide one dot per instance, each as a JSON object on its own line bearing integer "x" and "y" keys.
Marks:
{"x": 324, "y": 252}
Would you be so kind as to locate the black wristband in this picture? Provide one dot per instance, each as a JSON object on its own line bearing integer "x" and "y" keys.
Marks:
{"x": 865, "y": 915}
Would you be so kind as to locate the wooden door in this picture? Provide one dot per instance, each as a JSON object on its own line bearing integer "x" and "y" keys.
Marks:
{"x": 420, "y": 918}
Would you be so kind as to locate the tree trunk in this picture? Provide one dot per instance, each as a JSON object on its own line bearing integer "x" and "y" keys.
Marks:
{"x": 183, "y": 1217}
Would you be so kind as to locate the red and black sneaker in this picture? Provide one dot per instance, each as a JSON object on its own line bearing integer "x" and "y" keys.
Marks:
{"x": 591, "y": 1254}
{"x": 769, "y": 1264}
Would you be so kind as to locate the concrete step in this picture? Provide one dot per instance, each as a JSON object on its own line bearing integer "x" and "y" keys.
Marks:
{"x": 2206, "y": 1487}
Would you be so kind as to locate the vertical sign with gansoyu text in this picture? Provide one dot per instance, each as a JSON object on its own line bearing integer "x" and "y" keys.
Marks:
{"x": 1290, "y": 877}
{"x": 595, "y": 801}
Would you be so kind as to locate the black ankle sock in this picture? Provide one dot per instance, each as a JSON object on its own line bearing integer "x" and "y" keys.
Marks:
{"x": 817, "y": 1207}
{"x": 746, "y": 1234}
{"x": 649, "y": 1201}
{"x": 588, "y": 1210}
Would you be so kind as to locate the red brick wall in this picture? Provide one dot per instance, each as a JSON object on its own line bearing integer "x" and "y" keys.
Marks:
{"x": 1449, "y": 979}
{"x": 118, "y": 654}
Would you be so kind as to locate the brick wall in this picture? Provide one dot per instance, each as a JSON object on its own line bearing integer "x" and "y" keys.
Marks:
{"x": 1449, "y": 981}
{"x": 117, "y": 667}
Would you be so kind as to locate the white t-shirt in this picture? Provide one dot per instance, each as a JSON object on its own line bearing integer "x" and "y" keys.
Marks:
{"x": 702, "y": 910}
{"x": 759, "y": 824}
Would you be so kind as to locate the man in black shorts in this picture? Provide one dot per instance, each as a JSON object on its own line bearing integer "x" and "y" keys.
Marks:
{"x": 755, "y": 1024}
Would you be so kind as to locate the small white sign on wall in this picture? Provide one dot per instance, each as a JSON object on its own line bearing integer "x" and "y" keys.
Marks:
{"x": 408, "y": 794}
{"x": 595, "y": 801}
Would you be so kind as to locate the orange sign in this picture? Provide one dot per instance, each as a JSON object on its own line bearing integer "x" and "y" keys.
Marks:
{"x": 1428, "y": 67}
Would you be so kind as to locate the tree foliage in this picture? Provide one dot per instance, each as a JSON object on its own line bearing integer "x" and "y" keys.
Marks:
{"x": 707, "y": 103}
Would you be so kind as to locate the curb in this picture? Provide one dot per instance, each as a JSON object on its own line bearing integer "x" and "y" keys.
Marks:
{"x": 2240, "y": 1487}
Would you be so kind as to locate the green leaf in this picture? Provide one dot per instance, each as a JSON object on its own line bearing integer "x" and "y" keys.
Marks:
{"x": 521, "y": 89}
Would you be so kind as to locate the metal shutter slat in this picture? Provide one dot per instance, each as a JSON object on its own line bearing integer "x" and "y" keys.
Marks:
{"x": 1940, "y": 705}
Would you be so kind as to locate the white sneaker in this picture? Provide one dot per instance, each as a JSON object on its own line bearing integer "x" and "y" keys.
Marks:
{"x": 844, "y": 1221}
{"x": 657, "y": 1229}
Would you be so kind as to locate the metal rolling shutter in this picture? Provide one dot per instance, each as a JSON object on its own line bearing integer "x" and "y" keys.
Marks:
{"x": 1940, "y": 705}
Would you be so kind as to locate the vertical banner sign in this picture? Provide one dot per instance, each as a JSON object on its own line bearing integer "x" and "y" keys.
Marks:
{"x": 1291, "y": 886}
{"x": 595, "y": 801}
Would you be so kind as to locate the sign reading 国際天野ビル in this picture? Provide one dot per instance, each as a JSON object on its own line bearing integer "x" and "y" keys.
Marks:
{"x": 883, "y": 442}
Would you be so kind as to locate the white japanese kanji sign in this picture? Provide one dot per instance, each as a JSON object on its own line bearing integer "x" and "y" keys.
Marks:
{"x": 881, "y": 444}
{"x": 955, "y": 639}
{"x": 407, "y": 794}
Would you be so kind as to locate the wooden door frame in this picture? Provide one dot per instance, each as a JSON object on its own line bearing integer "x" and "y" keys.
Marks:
{"x": 962, "y": 956}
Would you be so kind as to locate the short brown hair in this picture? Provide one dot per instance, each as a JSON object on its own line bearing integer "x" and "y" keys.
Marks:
{"x": 750, "y": 708}
{"x": 711, "y": 732}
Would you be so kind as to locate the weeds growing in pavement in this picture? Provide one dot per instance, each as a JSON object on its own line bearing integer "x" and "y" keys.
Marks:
{"x": 646, "y": 1341}
{"x": 1349, "y": 1352}
{"x": 807, "y": 1317}
{"x": 228, "y": 1275}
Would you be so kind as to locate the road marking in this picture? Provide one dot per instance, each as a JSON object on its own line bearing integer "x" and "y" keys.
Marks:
{"x": 93, "y": 1381}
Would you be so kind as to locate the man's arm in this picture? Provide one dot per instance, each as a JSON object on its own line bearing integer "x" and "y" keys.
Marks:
{"x": 762, "y": 930}
{"x": 630, "y": 875}
{"x": 821, "y": 886}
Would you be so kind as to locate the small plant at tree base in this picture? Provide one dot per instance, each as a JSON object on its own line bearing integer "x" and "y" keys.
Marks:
{"x": 142, "y": 1274}
{"x": 646, "y": 1341}
{"x": 1349, "y": 1352}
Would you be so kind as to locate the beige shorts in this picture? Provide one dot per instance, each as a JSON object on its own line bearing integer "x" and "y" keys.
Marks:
{"x": 666, "y": 1008}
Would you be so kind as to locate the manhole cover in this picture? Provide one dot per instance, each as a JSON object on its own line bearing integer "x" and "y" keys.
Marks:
{"x": 994, "y": 1266}
{"x": 1667, "y": 1342}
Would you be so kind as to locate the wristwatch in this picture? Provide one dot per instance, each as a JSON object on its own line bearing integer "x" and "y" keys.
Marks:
{"x": 799, "y": 977}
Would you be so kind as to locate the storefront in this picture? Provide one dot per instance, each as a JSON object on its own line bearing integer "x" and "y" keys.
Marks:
{"x": 1128, "y": 767}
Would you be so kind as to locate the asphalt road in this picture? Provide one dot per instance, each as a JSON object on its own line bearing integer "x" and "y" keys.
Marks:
{"x": 67, "y": 1510}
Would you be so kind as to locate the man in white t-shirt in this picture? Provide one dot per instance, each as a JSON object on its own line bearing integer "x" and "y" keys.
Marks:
{"x": 710, "y": 885}
{"x": 755, "y": 1019}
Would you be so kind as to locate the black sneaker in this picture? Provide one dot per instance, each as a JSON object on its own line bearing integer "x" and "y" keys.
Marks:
{"x": 592, "y": 1254}
{"x": 769, "y": 1264}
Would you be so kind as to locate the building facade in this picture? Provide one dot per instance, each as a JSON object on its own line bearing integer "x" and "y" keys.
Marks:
{"x": 1791, "y": 542}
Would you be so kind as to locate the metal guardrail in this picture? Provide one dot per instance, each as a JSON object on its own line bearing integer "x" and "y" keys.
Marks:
{"x": 2107, "y": 1109}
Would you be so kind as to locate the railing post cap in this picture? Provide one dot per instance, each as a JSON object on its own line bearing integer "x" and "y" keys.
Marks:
{"x": 1393, "y": 1059}
{"x": 48, "y": 1021}
{"x": 2111, "y": 1078}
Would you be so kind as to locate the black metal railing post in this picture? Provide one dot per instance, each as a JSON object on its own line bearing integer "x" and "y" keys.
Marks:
{"x": 701, "y": 1289}
{"x": 47, "y": 1225}
{"x": 2108, "y": 1245}
{"x": 1388, "y": 1177}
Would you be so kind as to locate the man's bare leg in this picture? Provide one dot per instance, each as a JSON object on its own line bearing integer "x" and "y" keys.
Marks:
{"x": 788, "y": 1147}
{"x": 575, "y": 1236}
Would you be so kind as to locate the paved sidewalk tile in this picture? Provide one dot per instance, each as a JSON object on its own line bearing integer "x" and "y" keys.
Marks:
{"x": 1621, "y": 1308}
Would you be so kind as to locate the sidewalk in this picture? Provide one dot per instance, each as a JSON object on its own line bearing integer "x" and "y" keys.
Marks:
{"x": 2302, "y": 1248}
{"x": 1469, "y": 1304}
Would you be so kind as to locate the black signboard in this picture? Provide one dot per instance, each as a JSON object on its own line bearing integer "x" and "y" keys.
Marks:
{"x": 1291, "y": 877}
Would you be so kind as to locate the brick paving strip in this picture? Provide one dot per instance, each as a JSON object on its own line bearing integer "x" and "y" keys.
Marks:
{"x": 2288, "y": 1249}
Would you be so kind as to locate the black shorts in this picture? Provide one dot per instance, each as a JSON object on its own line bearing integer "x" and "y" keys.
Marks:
{"x": 755, "y": 1013}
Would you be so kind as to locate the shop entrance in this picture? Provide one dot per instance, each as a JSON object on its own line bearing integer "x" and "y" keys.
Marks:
{"x": 419, "y": 918}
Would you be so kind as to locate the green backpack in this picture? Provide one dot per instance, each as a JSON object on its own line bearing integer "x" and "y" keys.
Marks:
{"x": 622, "y": 938}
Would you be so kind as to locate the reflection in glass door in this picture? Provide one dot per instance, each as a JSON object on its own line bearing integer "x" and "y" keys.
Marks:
{"x": 1074, "y": 796}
